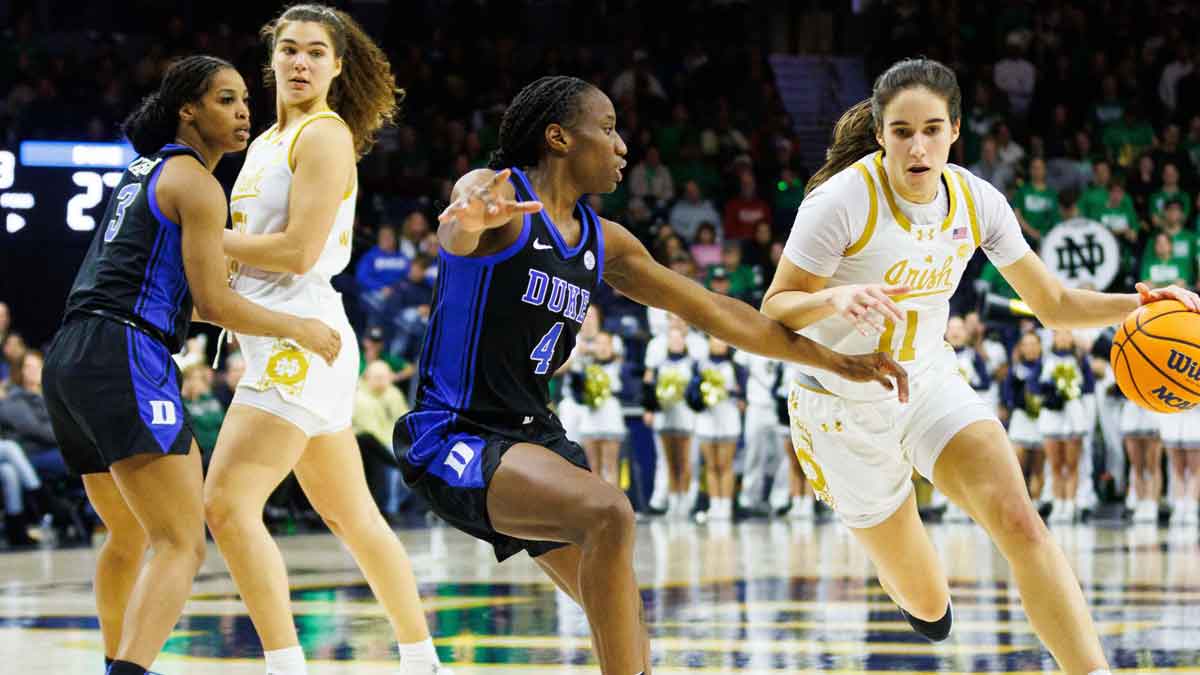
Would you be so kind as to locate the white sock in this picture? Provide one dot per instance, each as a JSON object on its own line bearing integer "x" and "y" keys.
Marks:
{"x": 418, "y": 654}
{"x": 1102, "y": 671}
{"x": 286, "y": 661}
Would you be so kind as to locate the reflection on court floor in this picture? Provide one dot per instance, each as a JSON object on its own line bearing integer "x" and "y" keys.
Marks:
{"x": 763, "y": 597}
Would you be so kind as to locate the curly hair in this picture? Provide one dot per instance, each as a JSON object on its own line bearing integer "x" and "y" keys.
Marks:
{"x": 554, "y": 99}
{"x": 365, "y": 93}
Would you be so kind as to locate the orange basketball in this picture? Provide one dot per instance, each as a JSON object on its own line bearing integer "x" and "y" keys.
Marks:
{"x": 1156, "y": 357}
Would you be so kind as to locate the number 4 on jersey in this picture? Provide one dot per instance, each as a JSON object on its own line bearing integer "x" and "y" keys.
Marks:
{"x": 543, "y": 353}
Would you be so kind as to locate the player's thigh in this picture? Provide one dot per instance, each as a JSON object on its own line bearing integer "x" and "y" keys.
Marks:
{"x": 165, "y": 494}
{"x": 255, "y": 451}
{"x": 114, "y": 512}
{"x": 331, "y": 473}
{"x": 535, "y": 493}
{"x": 907, "y": 561}
{"x": 978, "y": 471}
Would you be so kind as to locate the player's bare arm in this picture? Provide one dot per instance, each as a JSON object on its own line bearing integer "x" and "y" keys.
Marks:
{"x": 482, "y": 200}
{"x": 629, "y": 268}
{"x": 1057, "y": 306}
{"x": 324, "y": 157}
{"x": 191, "y": 195}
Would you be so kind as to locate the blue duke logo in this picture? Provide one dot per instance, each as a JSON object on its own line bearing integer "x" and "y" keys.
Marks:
{"x": 564, "y": 298}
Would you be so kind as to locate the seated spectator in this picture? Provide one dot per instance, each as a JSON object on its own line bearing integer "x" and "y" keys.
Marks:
{"x": 756, "y": 252}
{"x": 379, "y": 268}
{"x": 373, "y": 350}
{"x": 1128, "y": 138}
{"x": 1141, "y": 183}
{"x": 742, "y": 282}
{"x": 226, "y": 383}
{"x": 414, "y": 232}
{"x": 990, "y": 168}
{"x": 1160, "y": 267}
{"x": 1096, "y": 194}
{"x": 706, "y": 250}
{"x": 718, "y": 281}
{"x": 692, "y": 210}
{"x": 789, "y": 192}
{"x": 1008, "y": 151}
{"x": 205, "y": 411}
{"x": 1171, "y": 151}
{"x": 1036, "y": 203}
{"x": 746, "y": 210}
{"x": 1118, "y": 214}
{"x": 1183, "y": 241}
{"x": 691, "y": 166}
{"x": 377, "y": 406}
{"x": 10, "y": 354}
{"x": 650, "y": 182}
{"x": 22, "y": 489}
{"x": 408, "y": 308}
{"x": 1109, "y": 109}
{"x": 1170, "y": 191}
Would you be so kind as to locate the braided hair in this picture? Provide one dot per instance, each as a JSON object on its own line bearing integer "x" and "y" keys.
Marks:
{"x": 155, "y": 122}
{"x": 554, "y": 99}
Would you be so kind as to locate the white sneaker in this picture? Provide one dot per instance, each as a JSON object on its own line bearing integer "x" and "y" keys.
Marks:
{"x": 802, "y": 509}
{"x": 1058, "y": 512}
{"x": 1146, "y": 512}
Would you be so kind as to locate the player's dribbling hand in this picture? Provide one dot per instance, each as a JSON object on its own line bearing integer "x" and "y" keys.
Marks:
{"x": 320, "y": 339}
{"x": 878, "y": 367}
{"x": 1149, "y": 295}
{"x": 865, "y": 305}
{"x": 483, "y": 207}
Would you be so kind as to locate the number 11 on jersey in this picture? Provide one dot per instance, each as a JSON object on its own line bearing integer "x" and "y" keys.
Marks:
{"x": 907, "y": 351}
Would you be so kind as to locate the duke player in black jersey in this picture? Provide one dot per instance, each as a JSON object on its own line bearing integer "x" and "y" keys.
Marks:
{"x": 110, "y": 384}
{"x": 521, "y": 256}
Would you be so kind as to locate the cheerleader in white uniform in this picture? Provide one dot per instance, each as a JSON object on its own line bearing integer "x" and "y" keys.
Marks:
{"x": 1143, "y": 446}
{"x": 1062, "y": 421}
{"x": 571, "y": 408}
{"x": 973, "y": 368}
{"x": 1019, "y": 397}
{"x": 1181, "y": 437}
{"x": 603, "y": 424}
{"x": 718, "y": 424}
{"x": 763, "y": 427}
{"x": 668, "y": 372}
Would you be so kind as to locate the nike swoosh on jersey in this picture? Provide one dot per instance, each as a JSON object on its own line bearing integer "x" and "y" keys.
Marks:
{"x": 539, "y": 246}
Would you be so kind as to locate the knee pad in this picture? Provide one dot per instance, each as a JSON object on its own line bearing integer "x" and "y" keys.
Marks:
{"x": 934, "y": 631}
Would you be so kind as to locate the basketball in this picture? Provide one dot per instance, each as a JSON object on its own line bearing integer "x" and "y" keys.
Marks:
{"x": 1156, "y": 357}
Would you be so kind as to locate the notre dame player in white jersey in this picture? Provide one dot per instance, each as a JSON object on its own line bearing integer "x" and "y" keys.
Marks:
{"x": 878, "y": 247}
{"x": 293, "y": 212}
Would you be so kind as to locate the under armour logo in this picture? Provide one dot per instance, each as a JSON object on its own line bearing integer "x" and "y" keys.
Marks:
{"x": 1072, "y": 256}
{"x": 162, "y": 412}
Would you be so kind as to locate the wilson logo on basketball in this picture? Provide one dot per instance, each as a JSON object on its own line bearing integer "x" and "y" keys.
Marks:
{"x": 1171, "y": 400}
{"x": 1182, "y": 363}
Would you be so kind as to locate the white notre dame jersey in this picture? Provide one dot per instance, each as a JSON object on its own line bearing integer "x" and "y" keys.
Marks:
{"x": 259, "y": 204}
{"x": 281, "y": 377}
{"x": 855, "y": 229}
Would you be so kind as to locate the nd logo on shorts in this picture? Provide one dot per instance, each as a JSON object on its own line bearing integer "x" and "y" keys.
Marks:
{"x": 802, "y": 443}
{"x": 286, "y": 369}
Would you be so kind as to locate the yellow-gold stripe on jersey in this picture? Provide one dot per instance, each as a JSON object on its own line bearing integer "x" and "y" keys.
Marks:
{"x": 966, "y": 190}
{"x": 872, "y": 212}
{"x": 296, "y": 136}
{"x": 891, "y": 199}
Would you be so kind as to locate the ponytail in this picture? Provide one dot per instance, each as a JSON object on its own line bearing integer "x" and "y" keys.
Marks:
{"x": 853, "y": 137}
{"x": 854, "y": 134}
{"x": 155, "y": 122}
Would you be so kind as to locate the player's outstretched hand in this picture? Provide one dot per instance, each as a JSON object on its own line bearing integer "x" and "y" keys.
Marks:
{"x": 318, "y": 338}
{"x": 878, "y": 367}
{"x": 484, "y": 207}
{"x": 1149, "y": 295}
{"x": 864, "y": 305}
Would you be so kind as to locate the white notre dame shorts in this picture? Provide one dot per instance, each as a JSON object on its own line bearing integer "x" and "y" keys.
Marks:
{"x": 1137, "y": 421}
{"x": 1070, "y": 422}
{"x": 295, "y": 384}
{"x": 1180, "y": 430}
{"x": 859, "y": 456}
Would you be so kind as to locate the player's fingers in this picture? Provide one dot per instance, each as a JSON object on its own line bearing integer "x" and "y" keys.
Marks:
{"x": 499, "y": 178}
{"x": 898, "y": 289}
{"x": 525, "y": 207}
{"x": 890, "y": 367}
{"x": 1144, "y": 292}
{"x": 886, "y": 305}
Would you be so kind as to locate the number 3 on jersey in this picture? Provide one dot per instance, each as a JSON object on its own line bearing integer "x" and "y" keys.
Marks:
{"x": 543, "y": 353}
{"x": 907, "y": 351}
